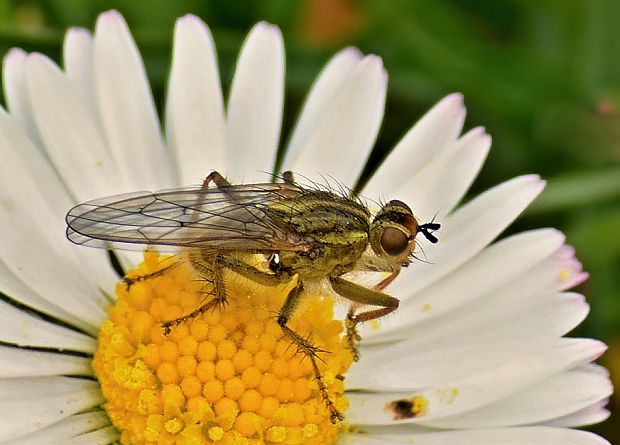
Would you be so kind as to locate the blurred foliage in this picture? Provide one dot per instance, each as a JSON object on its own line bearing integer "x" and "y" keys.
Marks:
{"x": 544, "y": 77}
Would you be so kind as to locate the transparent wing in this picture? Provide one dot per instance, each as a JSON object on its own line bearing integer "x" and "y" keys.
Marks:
{"x": 231, "y": 218}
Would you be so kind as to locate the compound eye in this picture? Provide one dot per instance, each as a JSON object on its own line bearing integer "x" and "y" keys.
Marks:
{"x": 394, "y": 241}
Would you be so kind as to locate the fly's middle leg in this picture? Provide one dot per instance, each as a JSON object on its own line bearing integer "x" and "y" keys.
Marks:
{"x": 353, "y": 337}
{"x": 305, "y": 347}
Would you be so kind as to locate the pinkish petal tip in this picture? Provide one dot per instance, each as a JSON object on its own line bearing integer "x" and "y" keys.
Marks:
{"x": 351, "y": 52}
{"x": 112, "y": 14}
{"x": 15, "y": 54}
{"x": 454, "y": 99}
{"x": 263, "y": 26}
{"x": 478, "y": 131}
{"x": 190, "y": 19}
{"x": 581, "y": 278}
{"x": 598, "y": 349}
{"x": 111, "y": 18}
{"x": 78, "y": 31}
{"x": 375, "y": 60}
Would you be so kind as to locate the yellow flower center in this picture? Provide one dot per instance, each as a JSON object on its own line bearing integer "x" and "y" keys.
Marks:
{"x": 227, "y": 376}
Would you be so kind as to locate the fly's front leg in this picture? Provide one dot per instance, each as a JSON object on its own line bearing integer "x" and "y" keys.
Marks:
{"x": 387, "y": 281}
{"x": 216, "y": 268}
{"x": 365, "y": 297}
{"x": 352, "y": 335}
{"x": 305, "y": 347}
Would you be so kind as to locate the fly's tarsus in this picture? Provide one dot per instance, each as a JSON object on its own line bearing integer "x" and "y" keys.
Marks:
{"x": 211, "y": 304}
{"x": 310, "y": 351}
{"x": 130, "y": 281}
{"x": 352, "y": 336}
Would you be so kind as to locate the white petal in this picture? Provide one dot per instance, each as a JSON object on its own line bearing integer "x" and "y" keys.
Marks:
{"x": 432, "y": 134}
{"x": 31, "y": 187}
{"x": 495, "y": 319}
{"x": 31, "y": 403}
{"x": 494, "y": 267}
{"x": 71, "y": 137}
{"x": 330, "y": 81}
{"x": 254, "y": 113}
{"x": 501, "y": 436}
{"x": 102, "y": 436}
{"x": 434, "y": 190}
{"x": 13, "y": 82}
{"x": 22, "y": 329}
{"x": 406, "y": 367}
{"x": 399, "y": 367}
{"x": 18, "y": 290}
{"x": 29, "y": 181}
{"x": 29, "y": 255}
{"x": 507, "y": 295}
{"x": 15, "y": 91}
{"x": 17, "y": 362}
{"x": 555, "y": 397}
{"x": 195, "y": 107}
{"x": 64, "y": 430}
{"x": 126, "y": 107}
{"x": 468, "y": 230}
{"x": 591, "y": 415}
{"x": 339, "y": 141}
{"x": 34, "y": 202}
{"x": 78, "y": 62}
{"x": 485, "y": 387}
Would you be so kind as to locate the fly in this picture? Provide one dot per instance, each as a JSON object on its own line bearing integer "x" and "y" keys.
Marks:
{"x": 312, "y": 234}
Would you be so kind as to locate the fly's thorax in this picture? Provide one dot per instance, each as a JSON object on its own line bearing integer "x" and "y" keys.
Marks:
{"x": 334, "y": 227}
{"x": 331, "y": 254}
{"x": 392, "y": 233}
{"x": 316, "y": 213}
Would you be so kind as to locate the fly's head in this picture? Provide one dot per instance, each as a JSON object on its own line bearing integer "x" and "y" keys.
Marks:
{"x": 393, "y": 233}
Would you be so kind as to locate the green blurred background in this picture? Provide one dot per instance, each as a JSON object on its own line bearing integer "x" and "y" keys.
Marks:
{"x": 543, "y": 77}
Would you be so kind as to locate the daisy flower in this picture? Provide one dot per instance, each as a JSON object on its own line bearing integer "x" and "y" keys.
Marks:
{"x": 476, "y": 353}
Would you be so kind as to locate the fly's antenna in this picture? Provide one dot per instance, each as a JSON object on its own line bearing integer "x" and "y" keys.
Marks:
{"x": 429, "y": 228}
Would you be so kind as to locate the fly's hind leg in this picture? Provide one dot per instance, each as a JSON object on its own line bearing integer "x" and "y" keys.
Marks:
{"x": 215, "y": 267}
{"x": 212, "y": 271}
{"x": 305, "y": 347}
{"x": 365, "y": 297}
{"x": 130, "y": 281}
{"x": 206, "y": 270}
